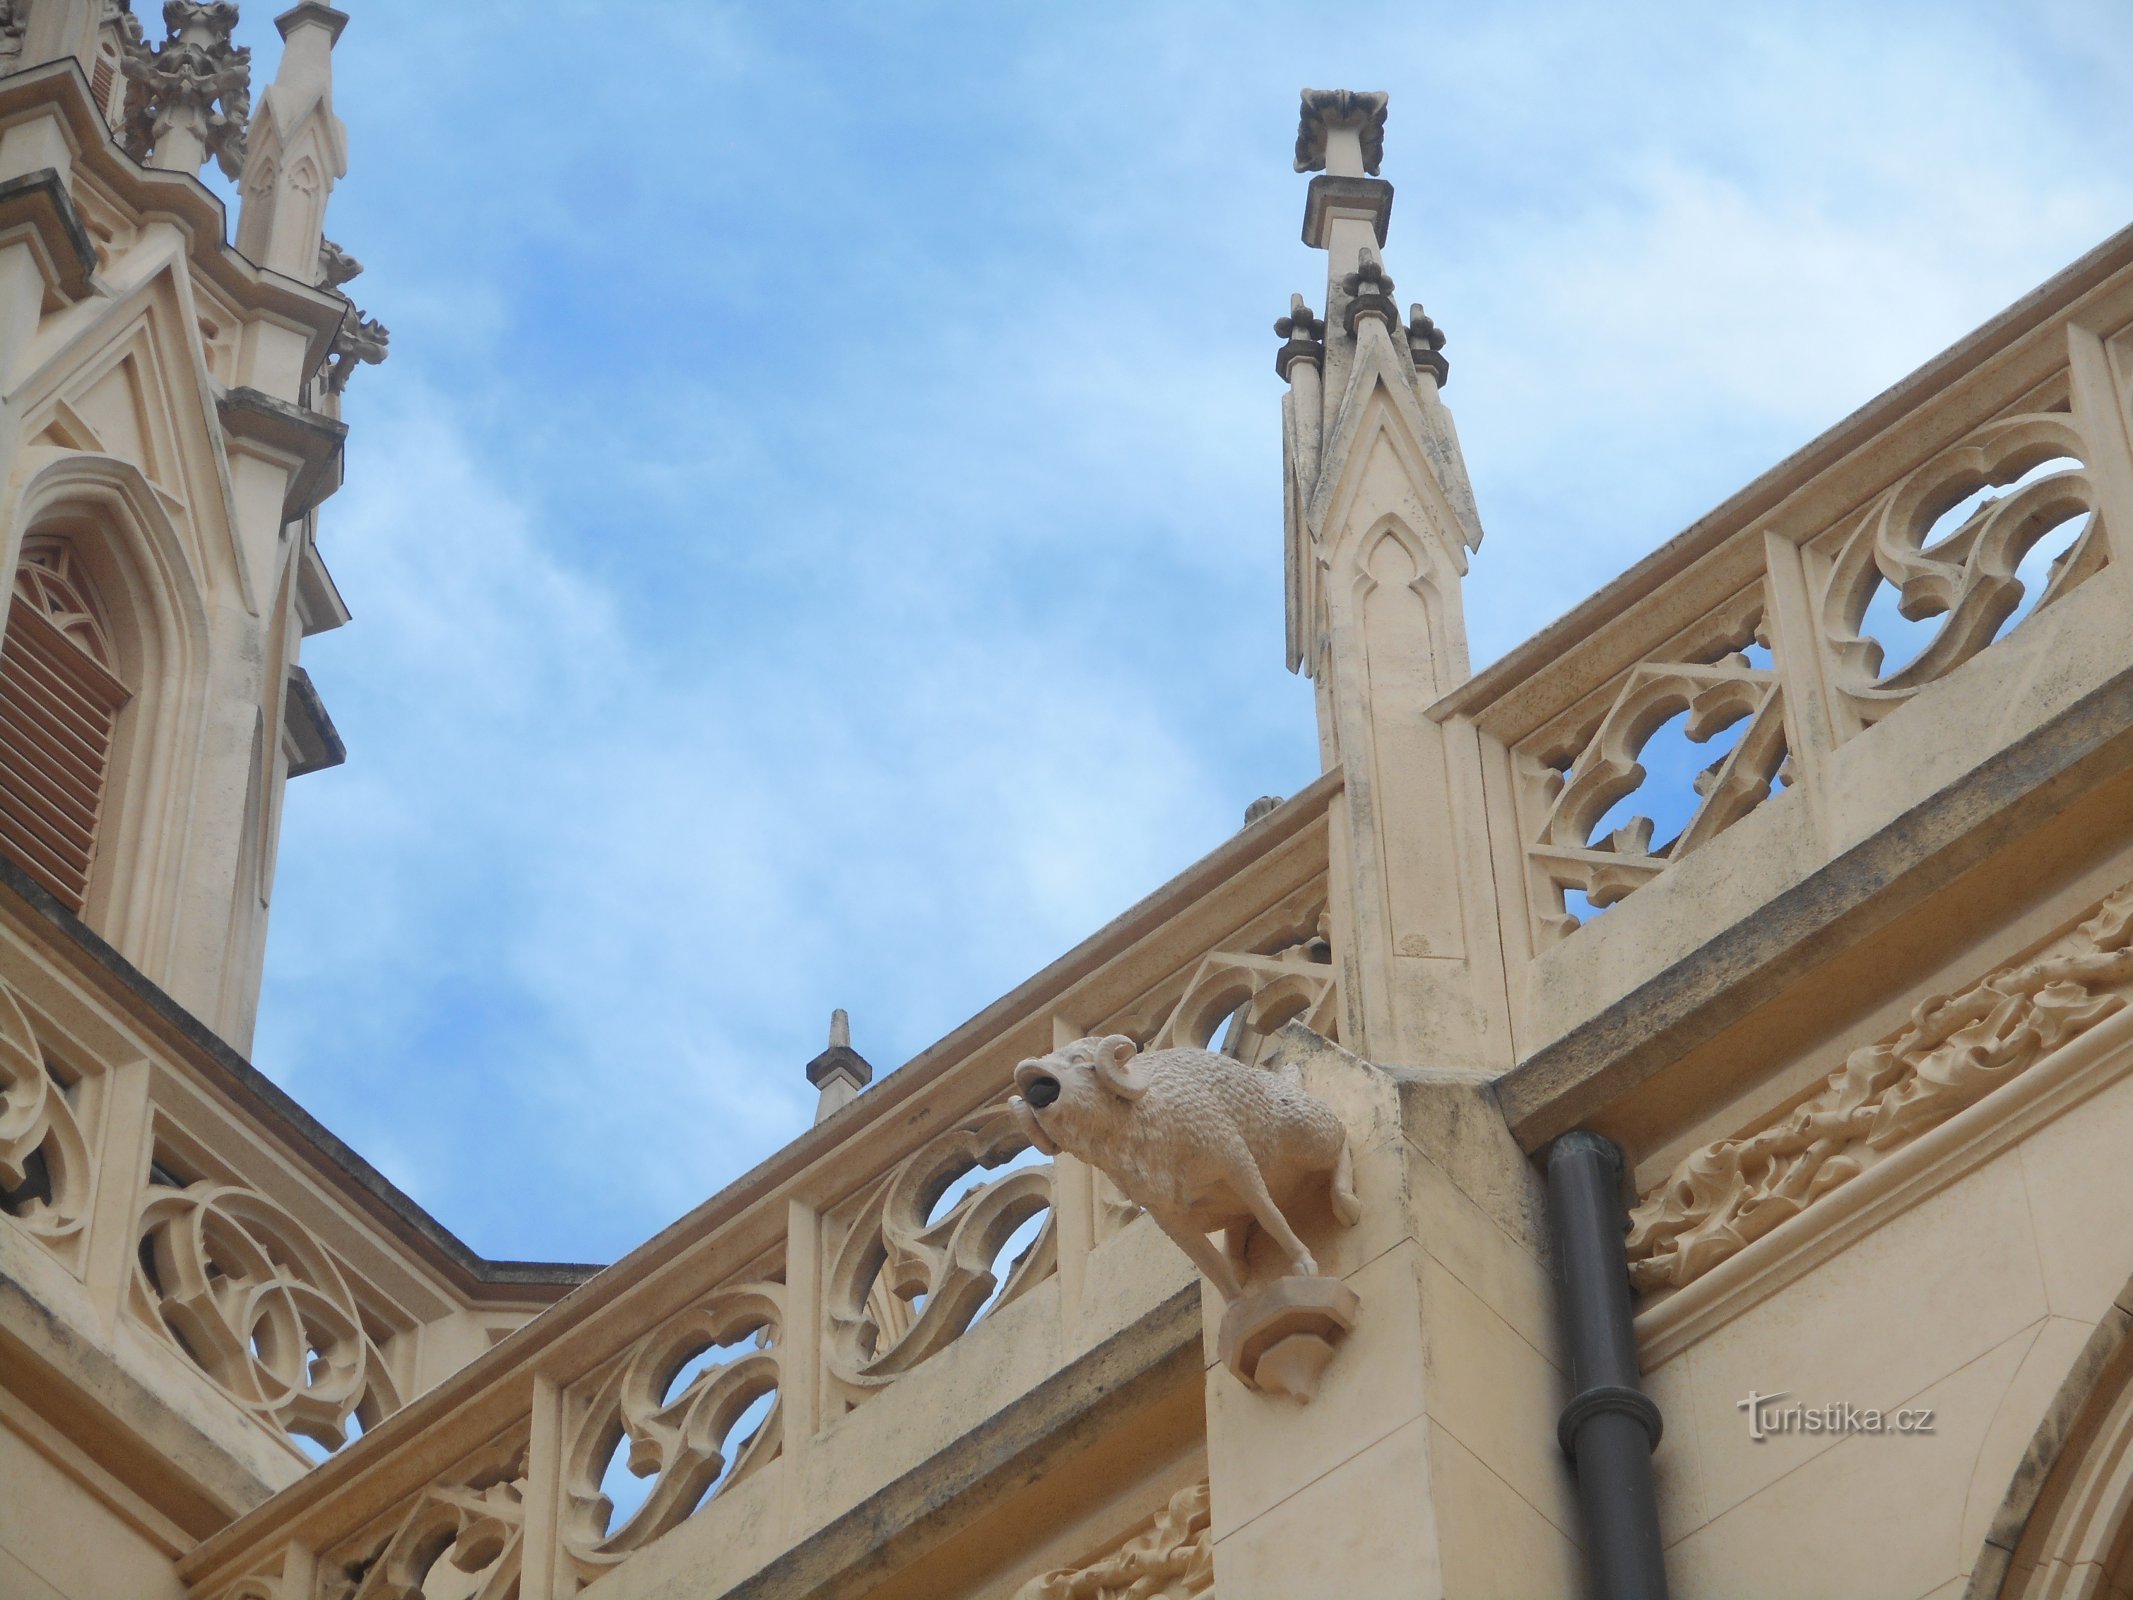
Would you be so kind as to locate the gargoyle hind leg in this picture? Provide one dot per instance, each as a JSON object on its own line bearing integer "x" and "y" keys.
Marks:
{"x": 1346, "y": 1207}
{"x": 1204, "y": 1253}
{"x": 1251, "y": 1188}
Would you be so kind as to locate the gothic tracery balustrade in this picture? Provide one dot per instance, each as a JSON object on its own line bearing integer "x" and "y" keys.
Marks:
{"x": 466, "y": 1530}
{"x": 689, "y": 1410}
{"x": 260, "y": 1307}
{"x": 1948, "y": 542}
{"x": 921, "y": 1255}
{"x": 45, "y": 1177}
{"x": 1604, "y": 815}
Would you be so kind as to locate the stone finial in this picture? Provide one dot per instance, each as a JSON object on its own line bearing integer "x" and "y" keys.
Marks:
{"x": 196, "y": 91}
{"x": 312, "y": 14}
{"x": 840, "y": 1072}
{"x": 1305, "y": 336}
{"x": 1425, "y": 342}
{"x": 1369, "y": 291}
{"x": 1341, "y": 132}
{"x": 1204, "y": 1141}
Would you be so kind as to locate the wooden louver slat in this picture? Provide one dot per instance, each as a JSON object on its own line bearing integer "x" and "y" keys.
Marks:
{"x": 57, "y": 706}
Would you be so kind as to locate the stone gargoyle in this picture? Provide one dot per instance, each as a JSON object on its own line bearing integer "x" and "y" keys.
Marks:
{"x": 1202, "y": 1140}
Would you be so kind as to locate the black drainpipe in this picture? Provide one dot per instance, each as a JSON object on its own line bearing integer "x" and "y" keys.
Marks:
{"x": 1610, "y": 1427}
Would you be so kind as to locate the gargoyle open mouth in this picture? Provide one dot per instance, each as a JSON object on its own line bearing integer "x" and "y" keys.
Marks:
{"x": 1041, "y": 1092}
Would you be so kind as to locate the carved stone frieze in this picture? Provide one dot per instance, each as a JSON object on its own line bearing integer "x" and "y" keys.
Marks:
{"x": 1173, "y": 1559}
{"x": 1955, "y": 1050}
{"x": 905, "y": 1283}
{"x": 196, "y": 90}
{"x": 679, "y": 1434}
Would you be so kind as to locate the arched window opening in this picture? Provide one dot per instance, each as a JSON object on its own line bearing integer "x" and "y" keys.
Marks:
{"x": 60, "y": 695}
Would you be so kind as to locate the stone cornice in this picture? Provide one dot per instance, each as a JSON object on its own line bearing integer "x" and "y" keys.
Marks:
{"x": 310, "y": 440}
{"x": 1841, "y": 904}
{"x": 59, "y": 89}
{"x": 38, "y": 207}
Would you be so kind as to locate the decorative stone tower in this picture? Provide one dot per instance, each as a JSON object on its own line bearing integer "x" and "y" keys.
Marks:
{"x": 169, "y": 422}
{"x": 1379, "y": 518}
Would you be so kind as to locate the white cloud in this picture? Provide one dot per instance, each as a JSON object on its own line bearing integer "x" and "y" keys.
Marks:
{"x": 816, "y": 541}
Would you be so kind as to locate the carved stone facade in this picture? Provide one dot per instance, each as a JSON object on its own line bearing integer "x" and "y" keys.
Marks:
{"x": 1795, "y": 862}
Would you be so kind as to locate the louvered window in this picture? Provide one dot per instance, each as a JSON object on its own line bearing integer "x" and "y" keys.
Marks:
{"x": 59, "y": 695}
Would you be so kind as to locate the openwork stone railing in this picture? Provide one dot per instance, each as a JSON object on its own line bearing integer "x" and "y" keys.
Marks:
{"x": 899, "y": 1271}
{"x": 150, "y": 1179}
{"x": 1989, "y": 531}
{"x": 1936, "y": 576}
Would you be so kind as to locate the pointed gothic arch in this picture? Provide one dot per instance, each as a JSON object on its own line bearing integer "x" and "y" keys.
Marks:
{"x": 2064, "y": 1526}
{"x": 60, "y": 695}
{"x": 124, "y": 548}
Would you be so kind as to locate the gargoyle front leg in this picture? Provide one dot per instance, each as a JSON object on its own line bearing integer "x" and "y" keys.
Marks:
{"x": 1203, "y": 1253}
{"x": 1250, "y": 1187}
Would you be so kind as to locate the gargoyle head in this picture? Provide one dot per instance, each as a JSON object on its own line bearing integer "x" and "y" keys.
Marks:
{"x": 1071, "y": 1093}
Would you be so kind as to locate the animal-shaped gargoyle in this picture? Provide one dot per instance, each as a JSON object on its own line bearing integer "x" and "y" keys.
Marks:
{"x": 1202, "y": 1140}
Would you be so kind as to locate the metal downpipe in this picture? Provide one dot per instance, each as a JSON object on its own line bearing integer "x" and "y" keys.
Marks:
{"x": 1610, "y": 1426}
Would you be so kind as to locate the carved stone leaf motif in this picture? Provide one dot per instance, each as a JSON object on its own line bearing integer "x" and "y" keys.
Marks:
{"x": 243, "y": 1290}
{"x": 903, "y": 1288}
{"x": 197, "y": 79}
{"x": 1967, "y": 577}
{"x": 1716, "y": 693}
{"x": 1954, "y": 1051}
{"x": 680, "y": 1441}
{"x": 44, "y": 1160}
{"x": 1173, "y": 1560}
{"x": 474, "y": 1521}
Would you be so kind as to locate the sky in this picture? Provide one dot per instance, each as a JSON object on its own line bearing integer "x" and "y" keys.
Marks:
{"x": 816, "y": 540}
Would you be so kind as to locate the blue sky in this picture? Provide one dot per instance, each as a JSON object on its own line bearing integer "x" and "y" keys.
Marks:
{"x": 816, "y": 540}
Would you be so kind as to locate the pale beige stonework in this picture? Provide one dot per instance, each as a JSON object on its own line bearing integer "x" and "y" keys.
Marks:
{"x": 1859, "y": 1023}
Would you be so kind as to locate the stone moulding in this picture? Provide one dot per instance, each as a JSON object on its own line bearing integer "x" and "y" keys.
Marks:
{"x": 1955, "y": 1050}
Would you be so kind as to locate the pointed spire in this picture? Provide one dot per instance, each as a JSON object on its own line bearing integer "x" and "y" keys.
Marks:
{"x": 1378, "y": 520}
{"x": 840, "y": 1072}
{"x": 298, "y": 148}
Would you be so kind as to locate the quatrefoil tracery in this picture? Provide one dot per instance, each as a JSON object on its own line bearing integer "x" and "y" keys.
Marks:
{"x": 260, "y": 1307}
{"x": 1967, "y": 577}
{"x": 1711, "y": 697}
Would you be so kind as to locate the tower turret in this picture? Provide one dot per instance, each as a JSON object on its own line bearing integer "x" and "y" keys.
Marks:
{"x": 1379, "y": 518}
